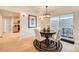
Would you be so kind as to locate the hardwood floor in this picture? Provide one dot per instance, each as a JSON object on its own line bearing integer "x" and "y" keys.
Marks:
{"x": 15, "y": 44}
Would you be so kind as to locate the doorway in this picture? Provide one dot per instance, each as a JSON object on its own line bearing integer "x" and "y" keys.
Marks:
{"x": 7, "y": 24}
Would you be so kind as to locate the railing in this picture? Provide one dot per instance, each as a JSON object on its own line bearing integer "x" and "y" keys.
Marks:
{"x": 67, "y": 32}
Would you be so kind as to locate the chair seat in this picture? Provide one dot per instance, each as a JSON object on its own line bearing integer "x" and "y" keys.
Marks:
{"x": 38, "y": 35}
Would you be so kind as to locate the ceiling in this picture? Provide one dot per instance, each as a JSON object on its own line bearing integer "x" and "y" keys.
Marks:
{"x": 53, "y": 10}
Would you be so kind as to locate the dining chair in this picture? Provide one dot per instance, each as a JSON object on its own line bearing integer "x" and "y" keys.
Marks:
{"x": 38, "y": 35}
{"x": 56, "y": 38}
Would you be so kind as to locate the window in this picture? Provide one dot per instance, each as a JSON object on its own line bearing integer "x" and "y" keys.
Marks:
{"x": 64, "y": 23}
{"x": 54, "y": 22}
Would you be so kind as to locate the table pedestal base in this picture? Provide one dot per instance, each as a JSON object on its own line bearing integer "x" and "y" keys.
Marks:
{"x": 41, "y": 46}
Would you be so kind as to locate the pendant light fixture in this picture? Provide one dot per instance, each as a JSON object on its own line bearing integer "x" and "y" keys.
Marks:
{"x": 46, "y": 14}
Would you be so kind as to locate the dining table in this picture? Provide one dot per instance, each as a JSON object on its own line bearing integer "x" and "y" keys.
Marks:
{"x": 47, "y": 36}
{"x": 47, "y": 44}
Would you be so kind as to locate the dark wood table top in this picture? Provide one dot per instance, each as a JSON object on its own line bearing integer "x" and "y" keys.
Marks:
{"x": 51, "y": 31}
{"x": 45, "y": 34}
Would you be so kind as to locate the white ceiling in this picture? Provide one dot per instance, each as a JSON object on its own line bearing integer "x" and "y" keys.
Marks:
{"x": 54, "y": 10}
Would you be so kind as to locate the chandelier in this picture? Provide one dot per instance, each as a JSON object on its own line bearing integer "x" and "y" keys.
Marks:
{"x": 46, "y": 14}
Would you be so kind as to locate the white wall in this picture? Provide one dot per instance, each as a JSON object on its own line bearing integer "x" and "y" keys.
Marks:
{"x": 24, "y": 30}
{"x": 45, "y": 22}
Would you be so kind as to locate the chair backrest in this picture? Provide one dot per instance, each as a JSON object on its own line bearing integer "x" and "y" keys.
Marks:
{"x": 37, "y": 34}
{"x": 58, "y": 36}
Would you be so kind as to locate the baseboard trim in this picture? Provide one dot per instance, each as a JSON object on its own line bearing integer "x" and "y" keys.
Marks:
{"x": 65, "y": 40}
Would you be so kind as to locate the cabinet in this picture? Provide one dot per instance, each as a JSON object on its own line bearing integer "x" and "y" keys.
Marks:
{"x": 16, "y": 26}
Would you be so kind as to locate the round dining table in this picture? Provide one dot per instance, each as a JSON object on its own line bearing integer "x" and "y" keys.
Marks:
{"x": 47, "y": 44}
{"x": 47, "y": 35}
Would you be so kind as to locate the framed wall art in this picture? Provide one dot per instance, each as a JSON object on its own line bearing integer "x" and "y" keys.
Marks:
{"x": 32, "y": 21}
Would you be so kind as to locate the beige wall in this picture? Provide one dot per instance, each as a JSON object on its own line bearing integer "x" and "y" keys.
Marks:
{"x": 1, "y": 25}
{"x": 76, "y": 31}
{"x": 13, "y": 19}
